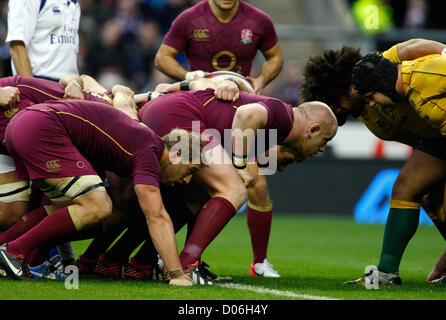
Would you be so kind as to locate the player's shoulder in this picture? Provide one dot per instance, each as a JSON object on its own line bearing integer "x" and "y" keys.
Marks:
{"x": 146, "y": 139}
{"x": 392, "y": 54}
{"x": 249, "y": 10}
{"x": 266, "y": 101}
{"x": 16, "y": 8}
{"x": 10, "y": 81}
{"x": 195, "y": 11}
{"x": 272, "y": 100}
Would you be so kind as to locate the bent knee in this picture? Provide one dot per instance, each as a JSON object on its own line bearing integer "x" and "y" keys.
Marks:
{"x": 431, "y": 201}
{"x": 404, "y": 188}
{"x": 104, "y": 208}
{"x": 96, "y": 207}
{"x": 260, "y": 185}
{"x": 237, "y": 194}
{"x": 5, "y": 221}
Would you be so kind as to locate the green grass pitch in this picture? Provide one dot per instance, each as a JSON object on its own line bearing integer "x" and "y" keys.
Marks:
{"x": 314, "y": 255}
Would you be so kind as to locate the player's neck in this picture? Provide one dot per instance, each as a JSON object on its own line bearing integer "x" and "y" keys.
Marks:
{"x": 164, "y": 160}
{"x": 298, "y": 130}
{"x": 223, "y": 16}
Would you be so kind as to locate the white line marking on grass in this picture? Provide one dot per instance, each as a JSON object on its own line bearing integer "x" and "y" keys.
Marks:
{"x": 272, "y": 291}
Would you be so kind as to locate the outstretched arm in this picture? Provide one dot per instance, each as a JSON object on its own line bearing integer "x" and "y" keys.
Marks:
{"x": 228, "y": 90}
{"x": 439, "y": 269}
{"x": 161, "y": 232}
{"x": 166, "y": 63}
{"x": 416, "y": 48}
{"x": 270, "y": 69}
{"x": 247, "y": 120}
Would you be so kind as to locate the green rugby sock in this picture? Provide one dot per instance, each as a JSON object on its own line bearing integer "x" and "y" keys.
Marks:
{"x": 400, "y": 227}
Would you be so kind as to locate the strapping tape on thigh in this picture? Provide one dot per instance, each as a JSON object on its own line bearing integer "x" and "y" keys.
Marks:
{"x": 75, "y": 187}
{"x": 15, "y": 191}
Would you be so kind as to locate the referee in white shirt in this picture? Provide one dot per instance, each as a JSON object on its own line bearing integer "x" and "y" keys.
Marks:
{"x": 43, "y": 37}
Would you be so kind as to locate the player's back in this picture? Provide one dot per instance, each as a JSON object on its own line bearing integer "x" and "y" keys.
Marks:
{"x": 104, "y": 135}
{"x": 201, "y": 110}
{"x": 36, "y": 90}
{"x": 424, "y": 82}
{"x": 220, "y": 113}
{"x": 426, "y": 76}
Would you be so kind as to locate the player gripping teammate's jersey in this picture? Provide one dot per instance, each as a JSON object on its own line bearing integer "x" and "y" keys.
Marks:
{"x": 211, "y": 45}
{"x": 49, "y": 30}
{"x": 34, "y": 91}
{"x": 397, "y": 123}
{"x": 181, "y": 109}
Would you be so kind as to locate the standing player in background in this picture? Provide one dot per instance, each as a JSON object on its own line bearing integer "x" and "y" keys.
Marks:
{"x": 44, "y": 42}
{"x": 218, "y": 35}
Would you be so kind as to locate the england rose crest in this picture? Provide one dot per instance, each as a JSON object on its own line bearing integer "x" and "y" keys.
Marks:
{"x": 246, "y": 36}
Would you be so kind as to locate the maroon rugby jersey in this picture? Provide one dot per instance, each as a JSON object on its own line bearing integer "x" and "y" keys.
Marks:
{"x": 36, "y": 90}
{"x": 211, "y": 45}
{"x": 108, "y": 139}
{"x": 180, "y": 109}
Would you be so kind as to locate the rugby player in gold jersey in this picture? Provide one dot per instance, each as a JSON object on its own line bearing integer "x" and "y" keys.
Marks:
{"x": 327, "y": 79}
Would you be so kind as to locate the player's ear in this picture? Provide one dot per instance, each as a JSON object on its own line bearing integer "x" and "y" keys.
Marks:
{"x": 175, "y": 156}
{"x": 315, "y": 128}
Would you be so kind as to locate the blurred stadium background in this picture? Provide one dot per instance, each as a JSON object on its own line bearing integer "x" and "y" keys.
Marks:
{"x": 119, "y": 39}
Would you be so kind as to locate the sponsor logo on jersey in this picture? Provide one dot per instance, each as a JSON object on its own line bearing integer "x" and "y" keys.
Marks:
{"x": 52, "y": 165}
{"x": 226, "y": 56}
{"x": 81, "y": 165}
{"x": 201, "y": 34}
{"x": 246, "y": 35}
{"x": 56, "y": 10}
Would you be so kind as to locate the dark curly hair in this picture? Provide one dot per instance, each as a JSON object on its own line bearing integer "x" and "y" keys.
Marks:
{"x": 328, "y": 76}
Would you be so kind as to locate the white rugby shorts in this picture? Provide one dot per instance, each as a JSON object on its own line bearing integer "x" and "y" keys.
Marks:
{"x": 6, "y": 164}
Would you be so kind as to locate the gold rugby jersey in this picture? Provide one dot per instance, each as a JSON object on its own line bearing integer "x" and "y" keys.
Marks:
{"x": 397, "y": 123}
{"x": 424, "y": 81}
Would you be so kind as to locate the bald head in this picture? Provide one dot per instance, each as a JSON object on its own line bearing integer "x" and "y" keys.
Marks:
{"x": 319, "y": 112}
{"x": 314, "y": 126}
